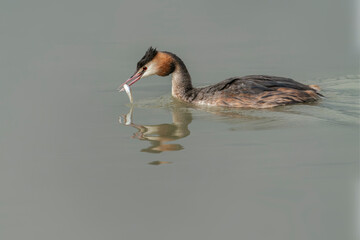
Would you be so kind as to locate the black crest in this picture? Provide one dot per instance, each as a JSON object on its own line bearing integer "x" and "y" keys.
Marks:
{"x": 149, "y": 55}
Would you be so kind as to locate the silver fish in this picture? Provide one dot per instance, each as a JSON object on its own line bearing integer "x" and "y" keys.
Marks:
{"x": 128, "y": 91}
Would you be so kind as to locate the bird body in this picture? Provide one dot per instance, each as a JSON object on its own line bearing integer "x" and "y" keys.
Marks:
{"x": 254, "y": 91}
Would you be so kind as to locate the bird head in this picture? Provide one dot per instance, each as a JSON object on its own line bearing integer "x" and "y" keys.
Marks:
{"x": 152, "y": 63}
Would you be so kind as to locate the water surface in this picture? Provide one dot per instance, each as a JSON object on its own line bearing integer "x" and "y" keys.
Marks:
{"x": 73, "y": 168}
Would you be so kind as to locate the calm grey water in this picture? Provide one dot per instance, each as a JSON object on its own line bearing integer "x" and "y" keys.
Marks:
{"x": 73, "y": 166}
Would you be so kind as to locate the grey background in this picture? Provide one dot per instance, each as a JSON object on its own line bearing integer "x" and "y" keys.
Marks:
{"x": 69, "y": 170}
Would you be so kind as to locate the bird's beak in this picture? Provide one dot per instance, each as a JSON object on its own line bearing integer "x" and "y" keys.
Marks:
{"x": 133, "y": 79}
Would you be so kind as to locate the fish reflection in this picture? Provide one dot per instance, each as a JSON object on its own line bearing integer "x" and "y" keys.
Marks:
{"x": 159, "y": 135}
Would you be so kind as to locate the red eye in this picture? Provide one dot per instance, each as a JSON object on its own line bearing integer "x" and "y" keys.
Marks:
{"x": 144, "y": 68}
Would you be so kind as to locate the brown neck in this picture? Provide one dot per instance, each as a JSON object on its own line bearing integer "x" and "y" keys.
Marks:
{"x": 181, "y": 80}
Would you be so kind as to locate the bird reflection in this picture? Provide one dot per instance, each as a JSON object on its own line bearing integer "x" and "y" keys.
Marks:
{"x": 159, "y": 135}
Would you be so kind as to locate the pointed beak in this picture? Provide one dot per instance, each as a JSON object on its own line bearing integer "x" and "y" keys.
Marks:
{"x": 133, "y": 79}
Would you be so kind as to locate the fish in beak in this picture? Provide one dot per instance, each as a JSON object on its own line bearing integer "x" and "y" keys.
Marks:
{"x": 133, "y": 79}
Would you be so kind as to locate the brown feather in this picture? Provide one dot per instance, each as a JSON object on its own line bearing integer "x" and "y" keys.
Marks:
{"x": 165, "y": 64}
{"x": 254, "y": 92}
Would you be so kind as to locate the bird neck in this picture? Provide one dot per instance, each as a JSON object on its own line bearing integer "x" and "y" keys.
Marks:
{"x": 181, "y": 80}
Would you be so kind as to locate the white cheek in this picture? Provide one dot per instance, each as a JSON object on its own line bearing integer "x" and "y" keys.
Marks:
{"x": 151, "y": 70}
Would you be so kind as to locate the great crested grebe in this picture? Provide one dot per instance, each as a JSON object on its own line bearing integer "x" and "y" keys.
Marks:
{"x": 254, "y": 91}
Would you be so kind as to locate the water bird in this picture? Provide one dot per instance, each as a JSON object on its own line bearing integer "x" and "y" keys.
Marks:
{"x": 253, "y": 91}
